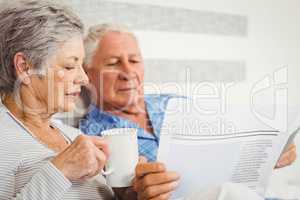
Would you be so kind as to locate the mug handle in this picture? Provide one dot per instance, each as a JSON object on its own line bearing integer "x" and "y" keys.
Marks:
{"x": 106, "y": 173}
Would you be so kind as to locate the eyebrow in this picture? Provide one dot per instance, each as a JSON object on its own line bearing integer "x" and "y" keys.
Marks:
{"x": 74, "y": 58}
{"x": 118, "y": 57}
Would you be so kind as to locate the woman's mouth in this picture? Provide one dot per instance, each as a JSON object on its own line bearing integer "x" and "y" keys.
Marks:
{"x": 73, "y": 94}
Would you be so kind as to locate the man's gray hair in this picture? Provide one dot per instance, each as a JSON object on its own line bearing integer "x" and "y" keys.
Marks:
{"x": 95, "y": 35}
{"x": 35, "y": 28}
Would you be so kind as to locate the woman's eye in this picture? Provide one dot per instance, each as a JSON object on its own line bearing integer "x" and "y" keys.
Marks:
{"x": 69, "y": 67}
{"x": 111, "y": 64}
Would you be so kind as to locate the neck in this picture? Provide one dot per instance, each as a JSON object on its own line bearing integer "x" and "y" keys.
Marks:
{"x": 28, "y": 110}
{"x": 133, "y": 110}
{"x": 137, "y": 114}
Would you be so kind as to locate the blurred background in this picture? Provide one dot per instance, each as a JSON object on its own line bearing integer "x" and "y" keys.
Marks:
{"x": 248, "y": 49}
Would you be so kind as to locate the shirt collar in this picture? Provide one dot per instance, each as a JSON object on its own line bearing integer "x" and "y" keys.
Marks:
{"x": 104, "y": 117}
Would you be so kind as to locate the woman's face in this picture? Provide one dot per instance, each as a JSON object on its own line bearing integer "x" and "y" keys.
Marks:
{"x": 117, "y": 71}
{"x": 59, "y": 87}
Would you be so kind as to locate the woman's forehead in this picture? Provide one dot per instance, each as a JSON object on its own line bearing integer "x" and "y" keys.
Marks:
{"x": 71, "y": 51}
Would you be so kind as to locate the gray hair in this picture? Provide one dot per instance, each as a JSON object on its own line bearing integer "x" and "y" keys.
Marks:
{"x": 95, "y": 35}
{"x": 35, "y": 28}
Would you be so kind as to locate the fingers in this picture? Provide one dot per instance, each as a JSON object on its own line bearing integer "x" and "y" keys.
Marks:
{"x": 157, "y": 179}
{"x": 153, "y": 181}
{"x": 100, "y": 150}
{"x": 288, "y": 157}
{"x": 286, "y": 160}
{"x": 93, "y": 163}
{"x": 101, "y": 158}
{"x": 145, "y": 168}
{"x": 164, "y": 196}
{"x": 159, "y": 190}
{"x": 100, "y": 143}
{"x": 142, "y": 159}
{"x": 292, "y": 146}
{"x": 83, "y": 158}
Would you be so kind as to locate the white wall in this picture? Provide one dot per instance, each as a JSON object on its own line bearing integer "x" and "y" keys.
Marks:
{"x": 272, "y": 42}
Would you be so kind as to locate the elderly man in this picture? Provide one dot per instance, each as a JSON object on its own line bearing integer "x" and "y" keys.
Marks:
{"x": 115, "y": 67}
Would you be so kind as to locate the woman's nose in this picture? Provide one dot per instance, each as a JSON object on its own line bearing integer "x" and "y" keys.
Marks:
{"x": 82, "y": 77}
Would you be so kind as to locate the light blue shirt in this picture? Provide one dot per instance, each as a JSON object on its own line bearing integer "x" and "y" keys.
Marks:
{"x": 97, "y": 121}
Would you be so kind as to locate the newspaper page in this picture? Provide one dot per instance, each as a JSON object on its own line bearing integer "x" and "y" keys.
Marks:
{"x": 209, "y": 150}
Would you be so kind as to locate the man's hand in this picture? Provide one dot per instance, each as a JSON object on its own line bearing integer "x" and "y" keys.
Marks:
{"x": 153, "y": 181}
{"x": 288, "y": 157}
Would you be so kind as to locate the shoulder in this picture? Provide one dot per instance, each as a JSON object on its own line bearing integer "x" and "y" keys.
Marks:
{"x": 96, "y": 121}
{"x": 160, "y": 101}
{"x": 161, "y": 97}
{"x": 11, "y": 143}
{"x": 9, "y": 126}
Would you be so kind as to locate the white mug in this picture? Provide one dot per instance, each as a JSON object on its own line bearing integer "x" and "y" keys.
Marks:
{"x": 123, "y": 158}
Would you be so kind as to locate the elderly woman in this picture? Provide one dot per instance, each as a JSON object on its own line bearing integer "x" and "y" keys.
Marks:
{"x": 115, "y": 67}
{"x": 41, "y": 55}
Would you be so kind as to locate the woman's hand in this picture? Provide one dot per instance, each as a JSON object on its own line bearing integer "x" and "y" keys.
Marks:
{"x": 83, "y": 159}
{"x": 288, "y": 157}
{"x": 153, "y": 181}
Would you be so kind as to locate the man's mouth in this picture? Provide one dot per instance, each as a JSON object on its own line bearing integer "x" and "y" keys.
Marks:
{"x": 126, "y": 89}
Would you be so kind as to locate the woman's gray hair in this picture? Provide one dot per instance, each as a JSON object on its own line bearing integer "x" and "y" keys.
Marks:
{"x": 35, "y": 28}
{"x": 95, "y": 35}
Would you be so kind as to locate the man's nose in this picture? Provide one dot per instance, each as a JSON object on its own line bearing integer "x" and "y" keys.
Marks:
{"x": 127, "y": 71}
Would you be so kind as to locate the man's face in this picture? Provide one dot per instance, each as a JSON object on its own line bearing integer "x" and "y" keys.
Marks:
{"x": 117, "y": 71}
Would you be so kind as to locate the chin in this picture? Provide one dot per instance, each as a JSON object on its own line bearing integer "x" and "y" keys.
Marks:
{"x": 126, "y": 103}
{"x": 129, "y": 98}
{"x": 67, "y": 107}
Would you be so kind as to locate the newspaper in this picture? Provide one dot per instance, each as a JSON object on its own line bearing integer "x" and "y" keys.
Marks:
{"x": 212, "y": 149}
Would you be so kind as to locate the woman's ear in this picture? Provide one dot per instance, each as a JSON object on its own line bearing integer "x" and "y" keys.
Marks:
{"x": 21, "y": 68}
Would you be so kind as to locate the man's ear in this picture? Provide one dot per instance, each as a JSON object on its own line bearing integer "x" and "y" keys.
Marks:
{"x": 22, "y": 68}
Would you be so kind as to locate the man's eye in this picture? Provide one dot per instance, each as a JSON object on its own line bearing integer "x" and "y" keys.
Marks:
{"x": 134, "y": 61}
{"x": 112, "y": 64}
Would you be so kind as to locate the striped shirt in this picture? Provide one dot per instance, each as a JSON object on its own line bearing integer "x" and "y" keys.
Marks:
{"x": 27, "y": 173}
